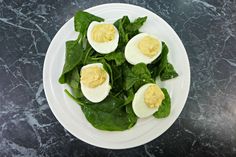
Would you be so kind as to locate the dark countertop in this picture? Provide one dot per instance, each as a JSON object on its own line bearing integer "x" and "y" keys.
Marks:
{"x": 206, "y": 126}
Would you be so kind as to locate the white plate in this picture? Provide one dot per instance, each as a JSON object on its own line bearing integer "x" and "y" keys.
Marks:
{"x": 69, "y": 113}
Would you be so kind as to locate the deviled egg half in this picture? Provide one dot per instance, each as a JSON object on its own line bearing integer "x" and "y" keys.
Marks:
{"x": 143, "y": 48}
{"x": 103, "y": 37}
{"x": 147, "y": 100}
{"x": 94, "y": 81}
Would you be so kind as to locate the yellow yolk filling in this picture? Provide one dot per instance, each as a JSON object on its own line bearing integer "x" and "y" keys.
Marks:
{"x": 149, "y": 46}
{"x": 103, "y": 33}
{"x": 93, "y": 76}
{"x": 153, "y": 96}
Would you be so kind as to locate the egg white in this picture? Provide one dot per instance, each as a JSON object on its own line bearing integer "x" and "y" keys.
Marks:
{"x": 140, "y": 108}
{"x": 105, "y": 47}
{"x": 132, "y": 53}
{"x": 98, "y": 93}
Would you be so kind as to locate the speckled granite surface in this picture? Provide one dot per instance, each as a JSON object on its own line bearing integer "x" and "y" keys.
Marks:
{"x": 207, "y": 125}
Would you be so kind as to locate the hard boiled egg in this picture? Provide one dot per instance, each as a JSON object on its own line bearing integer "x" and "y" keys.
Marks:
{"x": 147, "y": 100}
{"x": 94, "y": 82}
{"x": 103, "y": 37}
{"x": 143, "y": 48}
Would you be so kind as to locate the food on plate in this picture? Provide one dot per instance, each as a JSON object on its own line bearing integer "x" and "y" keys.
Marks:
{"x": 103, "y": 37}
{"x": 143, "y": 48}
{"x": 111, "y": 71}
{"x": 94, "y": 82}
{"x": 147, "y": 100}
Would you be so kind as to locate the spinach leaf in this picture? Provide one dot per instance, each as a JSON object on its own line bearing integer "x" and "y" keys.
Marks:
{"x": 124, "y": 21}
{"x": 118, "y": 57}
{"x": 127, "y": 29}
{"x": 107, "y": 115}
{"x": 131, "y": 115}
{"x": 159, "y": 64}
{"x": 73, "y": 78}
{"x": 161, "y": 67}
{"x": 168, "y": 72}
{"x": 123, "y": 36}
{"x": 108, "y": 69}
{"x": 77, "y": 92}
{"x": 136, "y": 25}
{"x": 72, "y": 97}
{"x": 132, "y": 29}
{"x": 138, "y": 74}
{"x": 73, "y": 57}
{"x": 87, "y": 54}
{"x": 82, "y": 20}
{"x": 117, "y": 80}
{"x": 164, "y": 109}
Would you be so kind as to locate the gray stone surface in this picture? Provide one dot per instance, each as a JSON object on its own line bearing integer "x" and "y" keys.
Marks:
{"x": 207, "y": 125}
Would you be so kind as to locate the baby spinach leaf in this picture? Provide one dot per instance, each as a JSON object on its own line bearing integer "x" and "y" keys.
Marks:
{"x": 120, "y": 25}
{"x": 73, "y": 57}
{"x": 168, "y": 72}
{"x": 124, "y": 21}
{"x": 127, "y": 30}
{"x": 138, "y": 74}
{"x": 117, "y": 80}
{"x": 108, "y": 69}
{"x": 136, "y": 25}
{"x": 73, "y": 79}
{"x": 87, "y": 54}
{"x": 107, "y": 115}
{"x": 118, "y": 57}
{"x": 117, "y": 120}
{"x": 159, "y": 64}
{"x": 161, "y": 67}
{"x": 72, "y": 97}
{"x": 131, "y": 115}
{"x": 164, "y": 109}
{"x": 77, "y": 92}
{"x": 82, "y": 20}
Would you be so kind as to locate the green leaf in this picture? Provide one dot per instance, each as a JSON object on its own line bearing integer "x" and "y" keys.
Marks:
{"x": 77, "y": 92}
{"x": 108, "y": 69}
{"x": 107, "y": 115}
{"x": 72, "y": 97}
{"x": 136, "y": 25}
{"x": 73, "y": 57}
{"x": 124, "y": 21}
{"x": 164, "y": 109}
{"x": 123, "y": 36}
{"x": 131, "y": 115}
{"x": 73, "y": 79}
{"x": 82, "y": 20}
{"x": 127, "y": 30}
{"x": 159, "y": 64}
{"x": 138, "y": 74}
{"x": 129, "y": 100}
{"x": 117, "y": 80}
{"x": 161, "y": 67}
{"x": 118, "y": 57}
{"x": 168, "y": 72}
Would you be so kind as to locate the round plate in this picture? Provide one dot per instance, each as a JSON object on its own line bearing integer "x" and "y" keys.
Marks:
{"x": 69, "y": 113}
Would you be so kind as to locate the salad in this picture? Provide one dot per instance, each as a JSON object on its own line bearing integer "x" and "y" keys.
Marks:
{"x": 111, "y": 70}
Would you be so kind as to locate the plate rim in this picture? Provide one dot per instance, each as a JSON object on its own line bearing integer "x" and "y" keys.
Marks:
{"x": 49, "y": 99}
